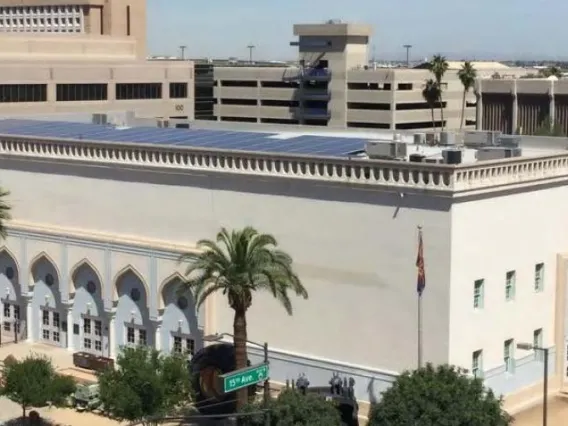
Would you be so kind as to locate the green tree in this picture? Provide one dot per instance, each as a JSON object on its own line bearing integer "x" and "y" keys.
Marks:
{"x": 549, "y": 129}
{"x": 33, "y": 382}
{"x": 292, "y": 408}
{"x": 431, "y": 94}
{"x": 146, "y": 385}
{"x": 238, "y": 264}
{"x": 467, "y": 75}
{"x": 437, "y": 396}
{"x": 439, "y": 66}
{"x": 5, "y": 208}
{"x": 551, "y": 71}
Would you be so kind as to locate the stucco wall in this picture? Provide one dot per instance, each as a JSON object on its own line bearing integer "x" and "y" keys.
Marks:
{"x": 491, "y": 236}
{"x": 355, "y": 250}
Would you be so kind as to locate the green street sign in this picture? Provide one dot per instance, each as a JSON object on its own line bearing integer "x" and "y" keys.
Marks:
{"x": 245, "y": 377}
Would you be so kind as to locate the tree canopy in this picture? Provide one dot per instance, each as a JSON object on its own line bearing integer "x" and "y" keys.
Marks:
{"x": 292, "y": 408}
{"x": 438, "y": 396}
{"x": 33, "y": 382}
{"x": 145, "y": 385}
{"x": 238, "y": 264}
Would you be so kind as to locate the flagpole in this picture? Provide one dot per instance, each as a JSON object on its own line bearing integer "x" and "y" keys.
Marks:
{"x": 419, "y": 330}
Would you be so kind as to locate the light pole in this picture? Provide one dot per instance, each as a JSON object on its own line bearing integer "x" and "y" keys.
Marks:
{"x": 529, "y": 347}
{"x": 251, "y": 47}
{"x": 407, "y": 47}
{"x": 217, "y": 337}
{"x": 182, "y": 49}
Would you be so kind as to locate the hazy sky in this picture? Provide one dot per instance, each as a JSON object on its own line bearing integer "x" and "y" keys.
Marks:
{"x": 484, "y": 28}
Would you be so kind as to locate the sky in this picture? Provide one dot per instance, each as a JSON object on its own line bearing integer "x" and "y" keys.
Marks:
{"x": 459, "y": 29}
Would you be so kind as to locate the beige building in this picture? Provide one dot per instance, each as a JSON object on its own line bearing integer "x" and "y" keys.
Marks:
{"x": 525, "y": 106}
{"x": 86, "y": 56}
{"x": 335, "y": 86}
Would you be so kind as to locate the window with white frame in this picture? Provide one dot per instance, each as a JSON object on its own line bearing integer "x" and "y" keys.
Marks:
{"x": 478, "y": 289}
{"x": 537, "y": 343}
{"x": 136, "y": 336}
{"x": 509, "y": 356}
{"x": 477, "y": 363}
{"x": 539, "y": 277}
{"x": 510, "y": 279}
{"x": 51, "y": 19}
{"x": 183, "y": 345}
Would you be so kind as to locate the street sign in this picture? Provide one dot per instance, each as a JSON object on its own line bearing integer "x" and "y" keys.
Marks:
{"x": 244, "y": 377}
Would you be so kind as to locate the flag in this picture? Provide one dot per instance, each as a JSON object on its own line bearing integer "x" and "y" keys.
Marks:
{"x": 421, "y": 279}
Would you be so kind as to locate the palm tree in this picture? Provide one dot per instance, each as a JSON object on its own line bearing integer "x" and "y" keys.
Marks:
{"x": 467, "y": 75}
{"x": 439, "y": 66}
{"x": 4, "y": 212}
{"x": 431, "y": 94}
{"x": 238, "y": 264}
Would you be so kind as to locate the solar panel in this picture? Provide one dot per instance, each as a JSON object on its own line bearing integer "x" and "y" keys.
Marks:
{"x": 219, "y": 139}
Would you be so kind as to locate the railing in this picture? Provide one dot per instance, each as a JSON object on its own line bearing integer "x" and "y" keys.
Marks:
{"x": 392, "y": 174}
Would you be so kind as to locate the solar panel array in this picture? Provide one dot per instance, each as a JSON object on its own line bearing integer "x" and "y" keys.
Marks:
{"x": 219, "y": 139}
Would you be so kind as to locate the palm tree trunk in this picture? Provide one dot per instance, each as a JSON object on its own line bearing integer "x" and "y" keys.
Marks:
{"x": 442, "y": 111}
{"x": 240, "y": 342}
{"x": 463, "y": 111}
{"x": 433, "y": 119}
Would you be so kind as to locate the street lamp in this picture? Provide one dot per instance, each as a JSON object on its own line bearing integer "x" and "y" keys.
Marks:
{"x": 218, "y": 337}
{"x": 530, "y": 347}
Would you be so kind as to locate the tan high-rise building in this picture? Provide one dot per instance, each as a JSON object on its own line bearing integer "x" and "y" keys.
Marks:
{"x": 89, "y": 56}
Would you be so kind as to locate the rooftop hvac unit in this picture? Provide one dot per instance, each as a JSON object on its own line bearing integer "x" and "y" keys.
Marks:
{"x": 497, "y": 153}
{"x": 431, "y": 138}
{"x": 419, "y": 138}
{"x": 447, "y": 138}
{"x": 509, "y": 141}
{"x": 385, "y": 149}
{"x": 452, "y": 156}
{"x": 100, "y": 119}
{"x": 416, "y": 158}
{"x": 434, "y": 160}
{"x": 162, "y": 124}
{"x": 481, "y": 138}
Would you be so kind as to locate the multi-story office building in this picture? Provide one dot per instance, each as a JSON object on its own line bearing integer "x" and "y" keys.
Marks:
{"x": 524, "y": 106}
{"x": 86, "y": 56}
{"x": 335, "y": 86}
{"x": 95, "y": 270}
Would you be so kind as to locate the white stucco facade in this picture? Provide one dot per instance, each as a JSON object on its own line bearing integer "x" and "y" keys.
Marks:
{"x": 350, "y": 226}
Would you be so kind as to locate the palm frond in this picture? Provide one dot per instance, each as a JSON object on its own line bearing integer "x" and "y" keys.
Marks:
{"x": 238, "y": 264}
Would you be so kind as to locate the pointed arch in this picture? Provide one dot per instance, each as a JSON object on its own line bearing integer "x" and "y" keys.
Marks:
{"x": 129, "y": 269}
{"x": 6, "y": 251}
{"x": 83, "y": 263}
{"x": 46, "y": 257}
{"x": 165, "y": 283}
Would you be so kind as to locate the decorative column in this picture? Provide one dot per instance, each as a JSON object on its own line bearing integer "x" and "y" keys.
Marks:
{"x": 479, "y": 111}
{"x": 515, "y": 111}
{"x": 158, "y": 335}
{"x": 552, "y": 106}
{"x": 70, "y": 335}
{"x": 112, "y": 334}
{"x": 29, "y": 318}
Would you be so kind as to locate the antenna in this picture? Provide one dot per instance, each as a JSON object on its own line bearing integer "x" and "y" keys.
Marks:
{"x": 182, "y": 49}
{"x": 251, "y": 47}
{"x": 407, "y": 47}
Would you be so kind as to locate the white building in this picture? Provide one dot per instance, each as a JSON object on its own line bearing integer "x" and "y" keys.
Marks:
{"x": 100, "y": 220}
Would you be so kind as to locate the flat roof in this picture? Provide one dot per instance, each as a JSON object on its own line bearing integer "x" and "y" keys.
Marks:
{"x": 268, "y": 142}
